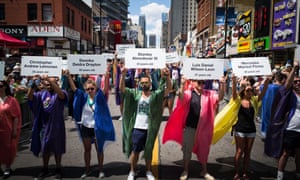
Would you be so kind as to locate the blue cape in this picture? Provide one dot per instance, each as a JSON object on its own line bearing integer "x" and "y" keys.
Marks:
{"x": 104, "y": 129}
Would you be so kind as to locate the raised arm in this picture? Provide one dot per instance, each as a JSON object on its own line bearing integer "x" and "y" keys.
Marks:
{"x": 32, "y": 88}
{"x": 55, "y": 87}
{"x": 181, "y": 89}
{"x": 263, "y": 91}
{"x": 222, "y": 85}
{"x": 70, "y": 80}
{"x": 106, "y": 80}
{"x": 165, "y": 73}
{"x": 290, "y": 79}
{"x": 234, "y": 90}
{"x": 122, "y": 80}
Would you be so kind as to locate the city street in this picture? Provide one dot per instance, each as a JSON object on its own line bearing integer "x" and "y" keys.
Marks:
{"x": 168, "y": 166}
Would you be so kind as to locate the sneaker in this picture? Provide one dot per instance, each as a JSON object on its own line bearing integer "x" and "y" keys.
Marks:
{"x": 101, "y": 175}
{"x": 184, "y": 175}
{"x": 131, "y": 175}
{"x": 58, "y": 175}
{"x": 85, "y": 174}
{"x": 7, "y": 173}
{"x": 120, "y": 118}
{"x": 208, "y": 177}
{"x": 149, "y": 175}
{"x": 44, "y": 173}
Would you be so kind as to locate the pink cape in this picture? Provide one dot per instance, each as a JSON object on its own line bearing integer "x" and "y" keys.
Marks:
{"x": 8, "y": 112}
{"x": 204, "y": 133}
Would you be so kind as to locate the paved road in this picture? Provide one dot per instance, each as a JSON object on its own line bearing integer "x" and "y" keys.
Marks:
{"x": 116, "y": 165}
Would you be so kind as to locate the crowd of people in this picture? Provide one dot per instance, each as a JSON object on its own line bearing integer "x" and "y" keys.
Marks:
{"x": 143, "y": 95}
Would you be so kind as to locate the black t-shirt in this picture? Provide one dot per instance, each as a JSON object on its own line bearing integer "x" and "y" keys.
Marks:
{"x": 245, "y": 121}
{"x": 194, "y": 113}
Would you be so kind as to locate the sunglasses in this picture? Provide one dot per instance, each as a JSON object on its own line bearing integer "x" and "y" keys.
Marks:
{"x": 296, "y": 81}
{"x": 90, "y": 89}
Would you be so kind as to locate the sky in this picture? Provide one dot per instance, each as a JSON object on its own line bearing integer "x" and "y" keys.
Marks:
{"x": 152, "y": 9}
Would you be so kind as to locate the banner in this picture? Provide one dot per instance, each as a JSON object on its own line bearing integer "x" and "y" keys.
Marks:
{"x": 284, "y": 23}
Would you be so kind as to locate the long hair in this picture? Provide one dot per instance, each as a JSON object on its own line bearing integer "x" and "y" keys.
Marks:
{"x": 7, "y": 88}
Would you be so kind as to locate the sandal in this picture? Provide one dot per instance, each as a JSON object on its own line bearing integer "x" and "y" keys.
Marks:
{"x": 245, "y": 177}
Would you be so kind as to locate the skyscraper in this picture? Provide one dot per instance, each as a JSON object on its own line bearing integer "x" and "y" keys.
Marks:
{"x": 182, "y": 17}
{"x": 115, "y": 9}
{"x": 142, "y": 23}
{"x": 164, "y": 30}
{"x": 152, "y": 41}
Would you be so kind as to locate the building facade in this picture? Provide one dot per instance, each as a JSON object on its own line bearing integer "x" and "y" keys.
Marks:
{"x": 52, "y": 28}
{"x": 182, "y": 18}
{"x": 261, "y": 28}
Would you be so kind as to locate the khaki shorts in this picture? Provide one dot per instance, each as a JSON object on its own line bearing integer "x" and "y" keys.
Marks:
{"x": 188, "y": 142}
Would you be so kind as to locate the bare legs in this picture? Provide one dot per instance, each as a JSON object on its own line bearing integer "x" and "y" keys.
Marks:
{"x": 87, "y": 154}
{"x": 243, "y": 147}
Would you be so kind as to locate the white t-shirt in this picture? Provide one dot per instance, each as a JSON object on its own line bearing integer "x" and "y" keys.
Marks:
{"x": 87, "y": 118}
{"x": 294, "y": 124}
{"x": 143, "y": 110}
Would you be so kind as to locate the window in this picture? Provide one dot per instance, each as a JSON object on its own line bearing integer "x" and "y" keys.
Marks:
{"x": 72, "y": 17}
{"x": 82, "y": 23}
{"x": 68, "y": 16}
{"x": 2, "y": 12}
{"x": 31, "y": 12}
{"x": 89, "y": 26}
{"x": 47, "y": 12}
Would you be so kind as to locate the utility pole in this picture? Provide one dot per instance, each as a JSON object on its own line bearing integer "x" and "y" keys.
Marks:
{"x": 225, "y": 27}
{"x": 100, "y": 30}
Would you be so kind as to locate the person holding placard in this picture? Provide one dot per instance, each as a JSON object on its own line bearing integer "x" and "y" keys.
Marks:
{"x": 283, "y": 135}
{"x": 93, "y": 119}
{"x": 244, "y": 129}
{"x": 49, "y": 133}
{"x": 142, "y": 115}
{"x": 10, "y": 128}
{"x": 192, "y": 121}
{"x": 267, "y": 101}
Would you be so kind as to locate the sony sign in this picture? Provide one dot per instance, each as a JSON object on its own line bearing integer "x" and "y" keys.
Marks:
{"x": 16, "y": 31}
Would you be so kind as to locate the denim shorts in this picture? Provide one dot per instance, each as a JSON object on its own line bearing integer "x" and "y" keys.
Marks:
{"x": 245, "y": 135}
{"x": 139, "y": 137}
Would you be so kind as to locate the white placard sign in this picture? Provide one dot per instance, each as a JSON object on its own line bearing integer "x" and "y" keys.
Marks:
{"x": 203, "y": 69}
{"x": 251, "y": 66}
{"x": 172, "y": 57}
{"x": 41, "y": 65}
{"x": 64, "y": 64}
{"x": 87, "y": 64}
{"x": 121, "y": 48}
{"x": 145, "y": 58}
{"x": 2, "y": 67}
{"x": 110, "y": 56}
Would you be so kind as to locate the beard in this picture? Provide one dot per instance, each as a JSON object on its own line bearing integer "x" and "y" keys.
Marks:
{"x": 145, "y": 88}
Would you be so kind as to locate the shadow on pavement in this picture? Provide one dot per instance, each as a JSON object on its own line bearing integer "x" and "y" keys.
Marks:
{"x": 257, "y": 170}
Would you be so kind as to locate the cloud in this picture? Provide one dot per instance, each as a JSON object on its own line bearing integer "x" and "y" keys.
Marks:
{"x": 153, "y": 13}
